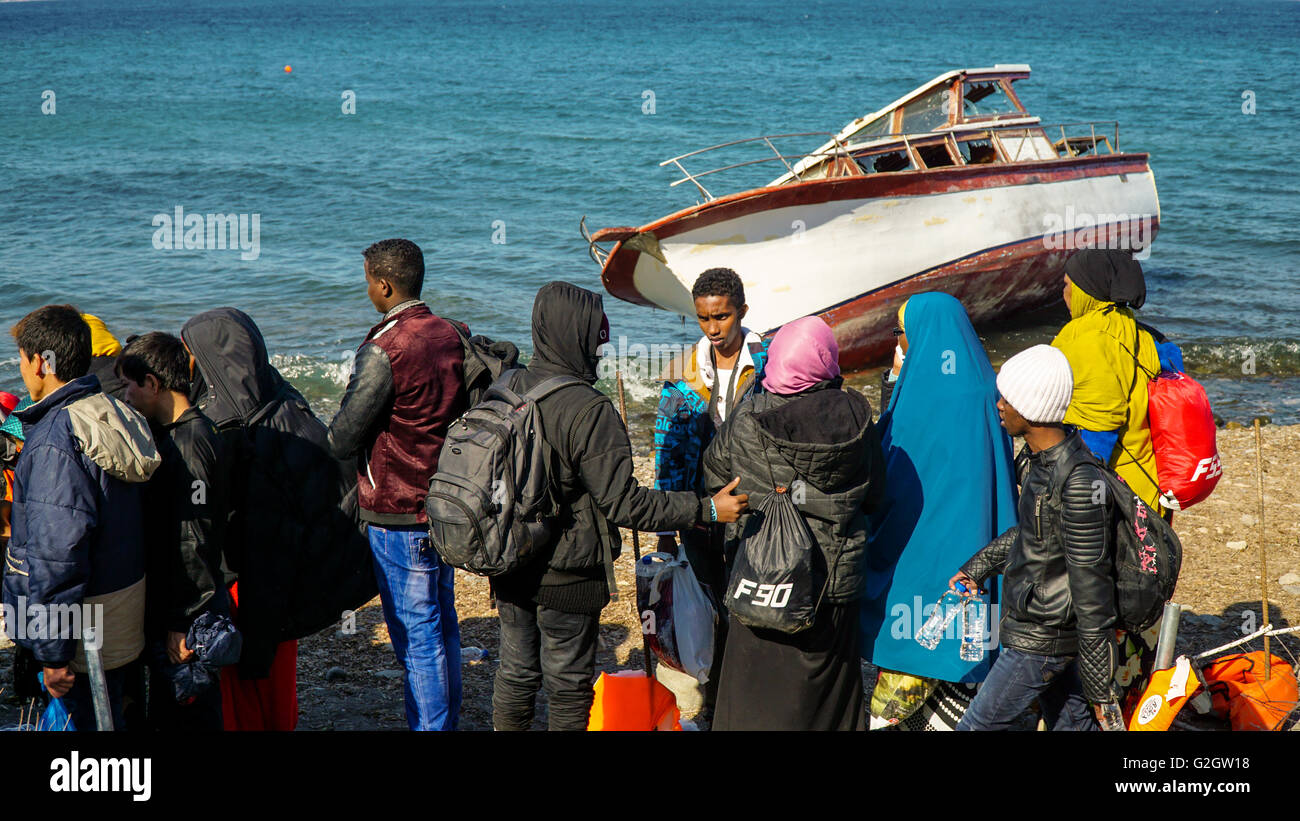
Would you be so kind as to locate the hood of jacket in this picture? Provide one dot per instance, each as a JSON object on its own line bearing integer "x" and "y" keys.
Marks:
{"x": 569, "y": 326}
{"x": 823, "y": 433}
{"x": 110, "y": 432}
{"x": 234, "y": 377}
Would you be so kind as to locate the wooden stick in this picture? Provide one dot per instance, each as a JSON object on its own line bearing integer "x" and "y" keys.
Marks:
{"x": 1263, "y": 559}
{"x": 636, "y": 556}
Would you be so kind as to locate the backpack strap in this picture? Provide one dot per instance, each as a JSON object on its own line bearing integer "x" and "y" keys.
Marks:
{"x": 549, "y": 386}
{"x": 500, "y": 389}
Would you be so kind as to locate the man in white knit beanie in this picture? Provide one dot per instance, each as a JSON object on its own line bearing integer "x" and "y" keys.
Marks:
{"x": 1058, "y": 589}
{"x": 1037, "y": 383}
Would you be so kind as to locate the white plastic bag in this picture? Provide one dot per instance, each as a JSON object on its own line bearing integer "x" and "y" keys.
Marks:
{"x": 677, "y": 618}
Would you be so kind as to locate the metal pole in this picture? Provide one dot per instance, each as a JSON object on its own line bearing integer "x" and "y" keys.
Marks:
{"x": 1168, "y": 636}
{"x": 636, "y": 556}
{"x": 1263, "y": 558}
{"x": 98, "y": 686}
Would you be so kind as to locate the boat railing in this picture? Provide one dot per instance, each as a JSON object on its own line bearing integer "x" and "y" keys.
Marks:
{"x": 1070, "y": 145}
{"x": 1073, "y": 142}
{"x": 766, "y": 140}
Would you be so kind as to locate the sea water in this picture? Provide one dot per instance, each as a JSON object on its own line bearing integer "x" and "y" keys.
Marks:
{"x": 485, "y": 131}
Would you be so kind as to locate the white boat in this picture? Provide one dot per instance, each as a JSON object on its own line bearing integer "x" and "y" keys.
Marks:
{"x": 953, "y": 187}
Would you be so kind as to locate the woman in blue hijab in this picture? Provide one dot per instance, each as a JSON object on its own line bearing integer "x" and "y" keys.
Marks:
{"x": 951, "y": 488}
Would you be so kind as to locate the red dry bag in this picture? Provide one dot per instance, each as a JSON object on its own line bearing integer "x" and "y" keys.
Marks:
{"x": 1183, "y": 438}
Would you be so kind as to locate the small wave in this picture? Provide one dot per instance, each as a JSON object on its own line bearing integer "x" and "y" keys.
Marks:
{"x": 1243, "y": 357}
{"x": 314, "y": 369}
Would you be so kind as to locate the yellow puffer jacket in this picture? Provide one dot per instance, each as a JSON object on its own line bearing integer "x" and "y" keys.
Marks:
{"x": 1110, "y": 390}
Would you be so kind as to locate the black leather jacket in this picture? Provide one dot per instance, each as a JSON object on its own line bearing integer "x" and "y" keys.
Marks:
{"x": 1058, "y": 589}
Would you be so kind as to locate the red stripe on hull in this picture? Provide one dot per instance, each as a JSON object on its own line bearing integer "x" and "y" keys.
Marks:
{"x": 1021, "y": 277}
{"x": 617, "y": 274}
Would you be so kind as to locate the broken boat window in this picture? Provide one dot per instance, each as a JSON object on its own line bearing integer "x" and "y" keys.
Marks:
{"x": 928, "y": 113}
{"x": 978, "y": 151}
{"x": 1081, "y": 146}
{"x": 934, "y": 155}
{"x": 884, "y": 162}
{"x": 986, "y": 99}
{"x": 878, "y": 127}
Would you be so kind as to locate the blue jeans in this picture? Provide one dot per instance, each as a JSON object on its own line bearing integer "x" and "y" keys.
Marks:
{"x": 418, "y": 591}
{"x": 1017, "y": 678}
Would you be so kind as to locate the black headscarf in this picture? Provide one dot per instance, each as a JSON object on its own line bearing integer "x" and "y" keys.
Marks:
{"x": 1108, "y": 275}
{"x": 569, "y": 325}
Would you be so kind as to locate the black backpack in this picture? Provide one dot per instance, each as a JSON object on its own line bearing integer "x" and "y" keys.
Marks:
{"x": 491, "y": 504}
{"x": 1148, "y": 554}
{"x": 485, "y": 361}
{"x": 1148, "y": 557}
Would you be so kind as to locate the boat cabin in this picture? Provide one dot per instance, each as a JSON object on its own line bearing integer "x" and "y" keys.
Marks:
{"x": 965, "y": 117}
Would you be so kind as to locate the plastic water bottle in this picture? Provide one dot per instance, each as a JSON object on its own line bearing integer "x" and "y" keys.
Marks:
{"x": 972, "y": 630}
{"x": 935, "y": 626}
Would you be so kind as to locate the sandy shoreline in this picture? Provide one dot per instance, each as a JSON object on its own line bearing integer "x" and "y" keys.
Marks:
{"x": 353, "y": 682}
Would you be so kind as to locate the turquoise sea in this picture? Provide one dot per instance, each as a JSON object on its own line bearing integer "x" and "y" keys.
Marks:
{"x": 477, "y": 122}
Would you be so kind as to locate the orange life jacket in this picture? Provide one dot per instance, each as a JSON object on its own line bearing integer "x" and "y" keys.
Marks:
{"x": 1242, "y": 695}
{"x": 1156, "y": 708}
{"x": 623, "y": 703}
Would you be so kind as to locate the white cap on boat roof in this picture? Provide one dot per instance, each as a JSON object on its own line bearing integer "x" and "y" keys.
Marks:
{"x": 1038, "y": 383}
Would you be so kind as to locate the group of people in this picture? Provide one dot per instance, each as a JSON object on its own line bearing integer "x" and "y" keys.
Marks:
{"x": 927, "y": 498}
{"x": 183, "y": 485}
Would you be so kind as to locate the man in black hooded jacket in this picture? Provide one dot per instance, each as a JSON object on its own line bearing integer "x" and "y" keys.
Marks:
{"x": 294, "y": 546}
{"x": 549, "y": 611}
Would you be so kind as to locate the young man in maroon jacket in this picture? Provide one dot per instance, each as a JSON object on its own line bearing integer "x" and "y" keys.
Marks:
{"x": 406, "y": 388}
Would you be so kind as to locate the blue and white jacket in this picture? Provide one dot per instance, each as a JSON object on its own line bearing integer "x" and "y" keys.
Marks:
{"x": 683, "y": 425}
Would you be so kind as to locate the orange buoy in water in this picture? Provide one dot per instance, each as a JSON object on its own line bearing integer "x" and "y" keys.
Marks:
{"x": 288, "y": 69}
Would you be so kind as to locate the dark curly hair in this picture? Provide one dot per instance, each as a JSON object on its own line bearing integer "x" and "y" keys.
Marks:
{"x": 720, "y": 282}
{"x": 399, "y": 261}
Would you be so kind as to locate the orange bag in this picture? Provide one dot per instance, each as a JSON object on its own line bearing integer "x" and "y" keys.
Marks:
{"x": 623, "y": 703}
{"x": 1240, "y": 693}
{"x": 1165, "y": 695}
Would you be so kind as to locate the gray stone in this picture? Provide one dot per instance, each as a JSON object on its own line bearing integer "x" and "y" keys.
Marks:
{"x": 1236, "y": 545}
{"x": 335, "y": 674}
{"x": 389, "y": 673}
{"x": 1289, "y": 578}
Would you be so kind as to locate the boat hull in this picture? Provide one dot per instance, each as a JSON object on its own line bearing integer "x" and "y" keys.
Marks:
{"x": 851, "y": 250}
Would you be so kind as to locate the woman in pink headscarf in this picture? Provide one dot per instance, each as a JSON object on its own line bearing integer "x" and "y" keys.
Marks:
{"x": 808, "y": 434}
